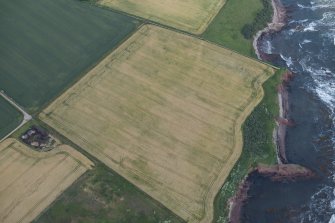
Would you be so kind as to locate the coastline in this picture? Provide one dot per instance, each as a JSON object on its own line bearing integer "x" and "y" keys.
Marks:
{"x": 277, "y": 23}
{"x": 281, "y": 171}
{"x": 279, "y": 135}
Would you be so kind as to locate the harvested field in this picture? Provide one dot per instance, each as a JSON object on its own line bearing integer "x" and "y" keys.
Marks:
{"x": 10, "y": 118}
{"x": 30, "y": 181}
{"x": 46, "y": 45}
{"x": 165, "y": 111}
{"x": 188, "y": 15}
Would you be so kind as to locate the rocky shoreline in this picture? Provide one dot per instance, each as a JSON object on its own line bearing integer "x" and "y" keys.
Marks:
{"x": 278, "y": 22}
{"x": 279, "y": 172}
{"x": 282, "y": 171}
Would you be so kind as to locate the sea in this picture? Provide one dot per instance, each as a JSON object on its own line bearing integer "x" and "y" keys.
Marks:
{"x": 306, "y": 45}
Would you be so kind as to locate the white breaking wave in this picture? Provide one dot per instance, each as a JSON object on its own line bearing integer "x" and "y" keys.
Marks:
{"x": 288, "y": 60}
{"x": 320, "y": 4}
{"x": 313, "y": 36}
{"x": 298, "y": 21}
{"x": 322, "y": 85}
{"x": 268, "y": 47}
{"x": 306, "y": 41}
{"x": 327, "y": 96}
{"x": 303, "y": 6}
{"x": 332, "y": 220}
{"x": 328, "y": 18}
{"x": 316, "y": 206}
{"x": 324, "y": 82}
{"x": 310, "y": 27}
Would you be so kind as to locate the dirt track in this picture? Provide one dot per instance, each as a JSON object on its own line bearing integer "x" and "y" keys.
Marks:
{"x": 26, "y": 116}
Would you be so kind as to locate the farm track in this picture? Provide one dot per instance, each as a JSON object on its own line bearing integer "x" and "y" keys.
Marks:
{"x": 26, "y": 116}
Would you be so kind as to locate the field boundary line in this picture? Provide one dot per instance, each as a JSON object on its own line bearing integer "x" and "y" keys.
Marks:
{"x": 216, "y": 185}
{"x": 198, "y": 36}
{"x": 88, "y": 69}
{"x": 37, "y": 204}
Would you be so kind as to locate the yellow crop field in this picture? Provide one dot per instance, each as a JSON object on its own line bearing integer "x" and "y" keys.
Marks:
{"x": 30, "y": 181}
{"x": 189, "y": 15}
{"x": 165, "y": 111}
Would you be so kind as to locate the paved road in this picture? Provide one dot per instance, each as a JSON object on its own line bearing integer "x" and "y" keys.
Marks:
{"x": 26, "y": 116}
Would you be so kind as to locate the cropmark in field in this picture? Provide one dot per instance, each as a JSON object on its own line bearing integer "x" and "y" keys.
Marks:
{"x": 188, "y": 15}
{"x": 165, "y": 111}
{"x": 30, "y": 181}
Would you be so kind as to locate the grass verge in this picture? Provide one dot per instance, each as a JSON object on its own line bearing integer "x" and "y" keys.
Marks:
{"x": 258, "y": 145}
{"x": 226, "y": 28}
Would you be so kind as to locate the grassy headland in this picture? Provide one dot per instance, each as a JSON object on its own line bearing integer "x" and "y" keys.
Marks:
{"x": 260, "y": 21}
{"x": 258, "y": 145}
{"x": 227, "y": 27}
{"x": 234, "y": 26}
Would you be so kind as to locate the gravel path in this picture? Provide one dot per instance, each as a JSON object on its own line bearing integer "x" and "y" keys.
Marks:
{"x": 26, "y": 116}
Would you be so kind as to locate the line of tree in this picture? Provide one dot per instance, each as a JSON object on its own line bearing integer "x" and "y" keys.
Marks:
{"x": 260, "y": 21}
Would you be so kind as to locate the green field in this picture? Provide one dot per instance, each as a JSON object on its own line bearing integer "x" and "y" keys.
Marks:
{"x": 10, "y": 118}
{"x": 227, "y": 25}
{"x": 103, "y": 196}
{"x": 46, "y": 45}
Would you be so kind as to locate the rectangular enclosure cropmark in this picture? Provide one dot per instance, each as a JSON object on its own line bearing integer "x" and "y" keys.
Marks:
{"x": 165, "y": 111}
{"x": 188, "y": 15}
{"x": 30, "y": 181}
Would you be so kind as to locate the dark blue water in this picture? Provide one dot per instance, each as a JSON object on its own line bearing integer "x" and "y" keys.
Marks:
{"x": 307, "y": 47}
